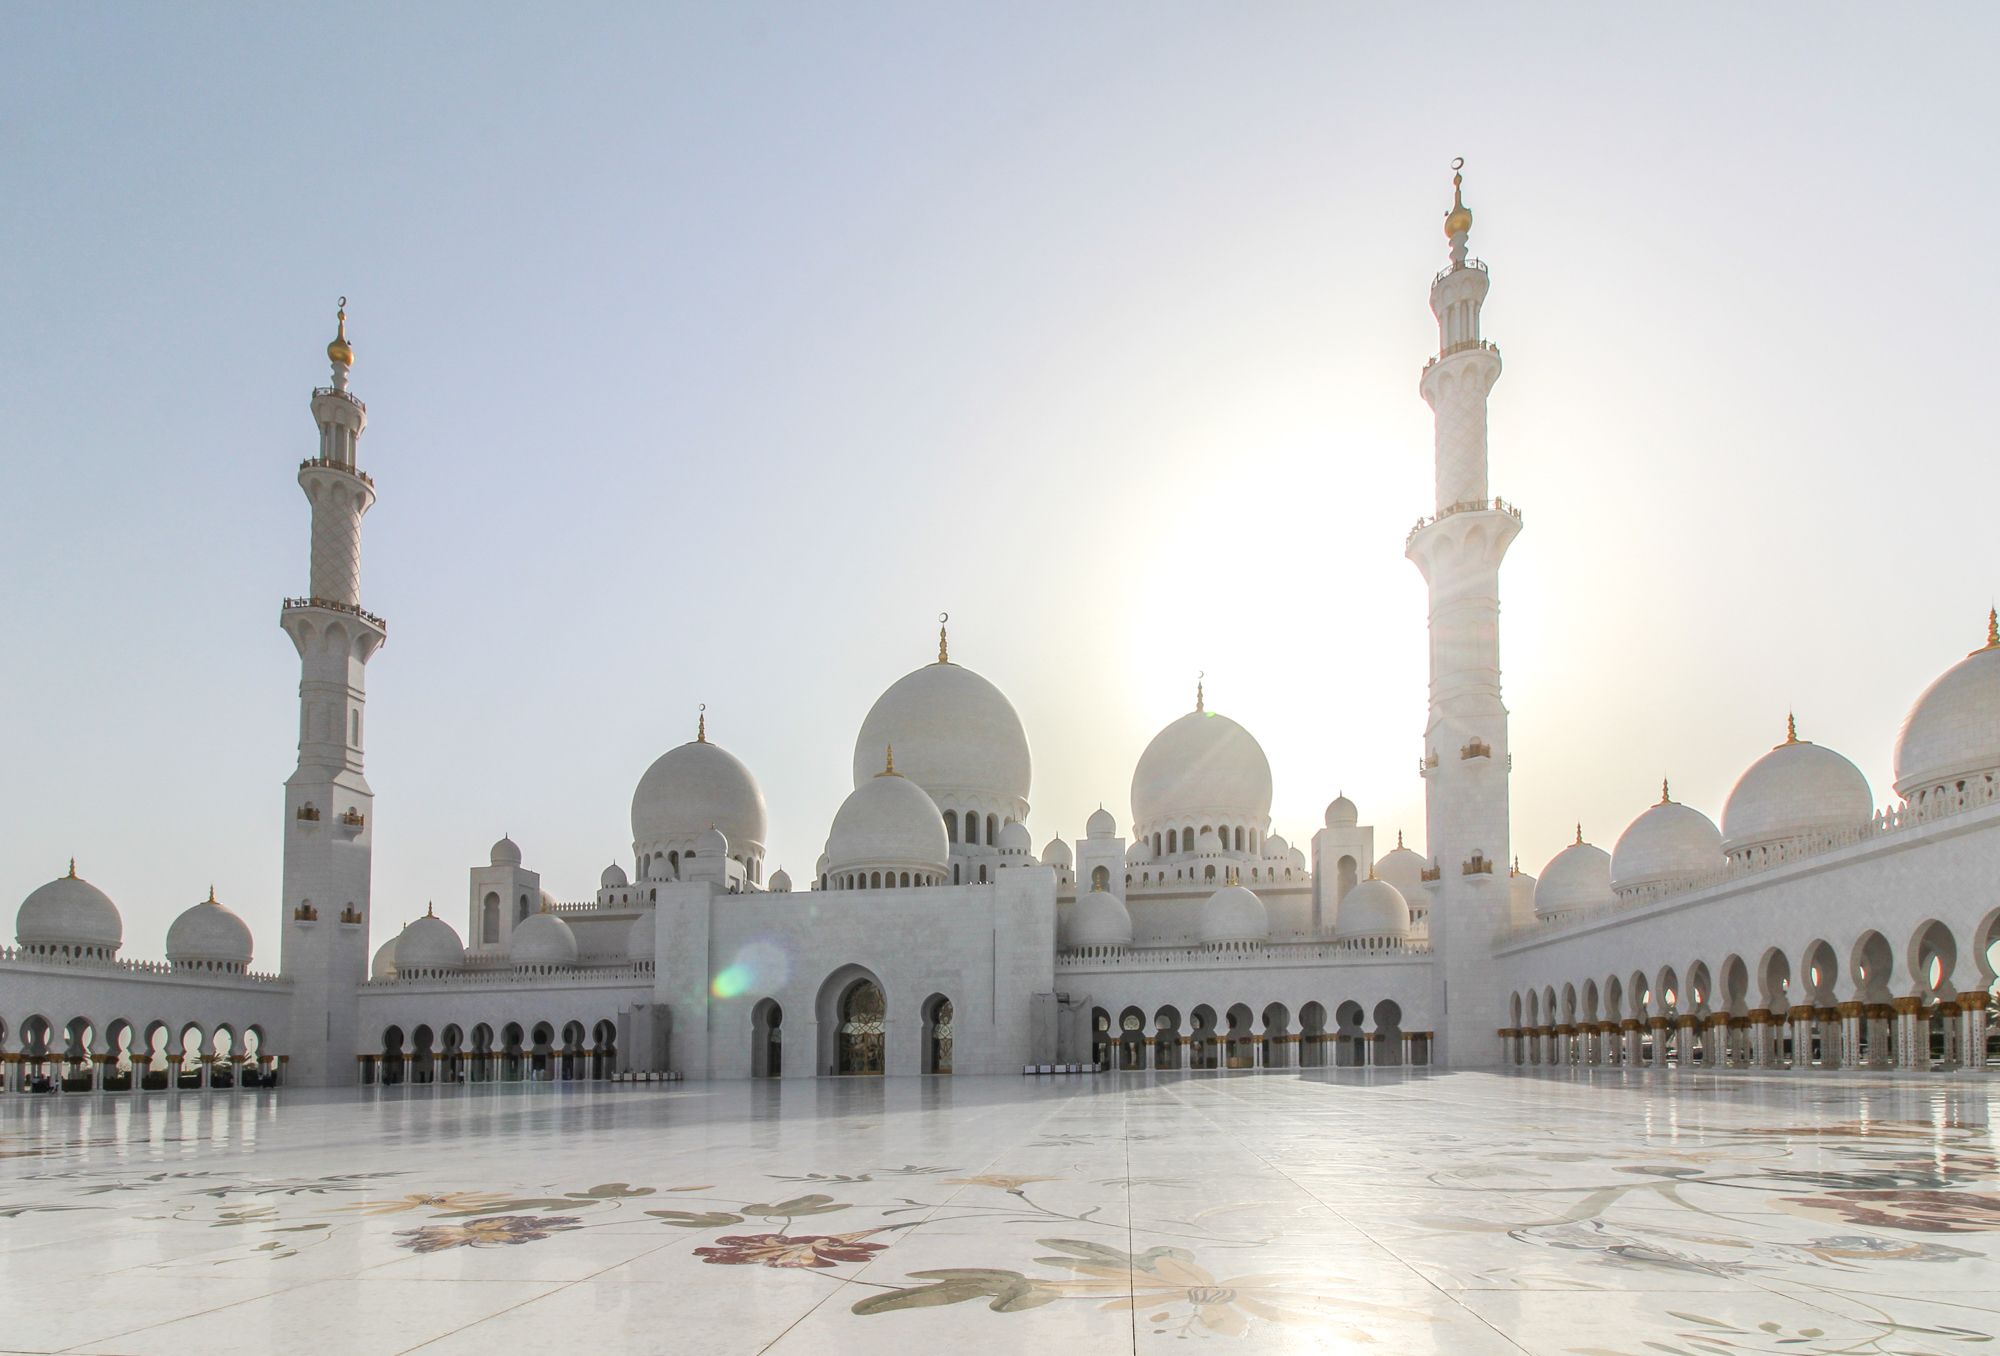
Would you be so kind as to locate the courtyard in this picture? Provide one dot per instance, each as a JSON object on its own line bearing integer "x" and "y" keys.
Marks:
{"x": 1601, "y": 1211}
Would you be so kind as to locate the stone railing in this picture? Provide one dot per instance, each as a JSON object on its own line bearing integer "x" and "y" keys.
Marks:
{"x": 355, "y": 400}
{"x": 16, "y": 955}
{"x": 327, "y": 464}
{"x": 352, "y": 609}
{"x": 536, "y": 975}
{"x": 1251, "y": 954}
{"x": 1476, "y": 265}
{"x": 1498, "y": 505}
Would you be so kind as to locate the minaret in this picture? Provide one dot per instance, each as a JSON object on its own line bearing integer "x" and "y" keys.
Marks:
{"x": 329, "y": 827}
{"x": 1465, "y": 759}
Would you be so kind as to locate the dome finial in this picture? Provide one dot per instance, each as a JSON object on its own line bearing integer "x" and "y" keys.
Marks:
{"x": 430, "y": 910}
{"x": 1458, "y": 221}
{"x": 72, "y": 868}
{"x": 1666, "y": 796}
{"x": 889, "y": 763}
{"x": 944, "y": 644}
{"x": 340, "y": 353}
{"x": 701, "y": 723}
{"x": 1791, "y": 728}
{"x": 211, "y": 893}
{"x": 1399, "y": 844}
{"x": 1200, "y": 699}
{"x": 1579, "y": 833}
{"x": 1993, "y": 628}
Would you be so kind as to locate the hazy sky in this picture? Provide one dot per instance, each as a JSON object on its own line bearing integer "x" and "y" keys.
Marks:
{"x": 711, "y": 351}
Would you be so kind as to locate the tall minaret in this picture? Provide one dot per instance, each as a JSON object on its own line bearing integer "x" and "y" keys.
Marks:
{"x": 1465, "y": 758}
{"x": 329, "y": 809}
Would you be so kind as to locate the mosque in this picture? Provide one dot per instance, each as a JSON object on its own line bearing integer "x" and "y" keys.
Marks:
{"x": 1811, "y": 929}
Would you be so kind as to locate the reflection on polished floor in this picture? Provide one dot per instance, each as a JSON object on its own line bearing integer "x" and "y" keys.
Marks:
{"x": 1602, "y": 1212}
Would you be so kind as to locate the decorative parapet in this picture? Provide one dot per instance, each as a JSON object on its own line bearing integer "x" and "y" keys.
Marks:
{"x": 350, "y": 914}
{"x": 1431, "y": 873}
{"x": 544, "y": 976}
{"x": 323, "y": 464}
{"x": 1471, "y": 265}
{"x": 1498, "y": 505}
{"x": 331, "y": 605}
{"x": 322, "y": 392}
{"x": 15, "y": 955}
{"x": 305, "y": 913}
{"x": 1476, "y": 865}
{"x": 1478, "y": 748}
{"x": 308, "y": 812}
{"x": 1246, "y": 954}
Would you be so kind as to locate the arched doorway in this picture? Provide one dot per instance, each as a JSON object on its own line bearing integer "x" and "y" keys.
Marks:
{"x": 767, "y": 1051}
{"x": 937, "y": 1034}
{"x": 853, "y": 1023}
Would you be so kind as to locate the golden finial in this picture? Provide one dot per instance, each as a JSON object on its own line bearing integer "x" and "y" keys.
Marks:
{"x": 211, "y": 893}
{"x": 944, "y": 645}
{"x": 1458, "y": 221}
{"x": 1517, "y": 865}
{"x": 429, "y": 910}
{"x": 1993, "y": 628}
{"x": 1791, "y": 728}
{"x": 889, "y": 763}
{"x": 1200, "y": 699}
{"x": 1371, "y": 865}
{"x": 701, "y": 724}
{"x": 1666, "y": 796}
{"x": 72, "y": 868}
{"x": 340, "y": 351}
{"x": 1579, "y": 833}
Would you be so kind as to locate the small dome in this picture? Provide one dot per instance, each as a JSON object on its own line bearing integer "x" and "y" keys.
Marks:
{"x": 1341, "y": 814}
{"x": 1139, "y": 853}
{"x": 1206, "y": 842}
{"x": 1670, "y": 844}
{"x": 713, "y": 843}
{"x": 695, "y": 787}
{"x": 1953, "y": 732}
{"x": 209, "y": 934}
{"x": 1373, "y": 908}
{"x": 1276, "y": 846}
{"x": 545, "y": 939}
{"x": 781, "y": 882}
{"x": 1576, "y": 880}
{"x": 955, "y": 734}
{"x": 429, "y": 944}
{"x": 614, "y": 877}
{"x": 1520, "y": 896}
{"x": 888, "y": 821}
{"x": 1100, "y": 824}
{"x": 1096, "y": 919}
{"x": 1057, "y": 853}
{"x": 639, "y": 938}
{"x": 1015, "y": 838}
{"x": 1203, "y": 764}
{"x": 1403, "y": 869}
{"x": 1234, "y": 914}
{"x": 1797, "y": 788}
{"x": 69, "y": 912}
{"x": 506, "y": 852}
{"x": 384, "y": 964}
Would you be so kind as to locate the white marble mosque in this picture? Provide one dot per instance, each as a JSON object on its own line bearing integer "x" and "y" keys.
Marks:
{"x": 1814, "y": 928}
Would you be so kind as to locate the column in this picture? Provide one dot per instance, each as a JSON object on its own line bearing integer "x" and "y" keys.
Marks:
{"x": 1831, "y": 1056}
{"x": 1850, "y": 1033}
{"x": 1801, "y": 1023}
{"x": 1913, "y": 1040}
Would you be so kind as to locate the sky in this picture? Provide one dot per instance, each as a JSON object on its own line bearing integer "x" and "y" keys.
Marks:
{"x": 711, "y": 351}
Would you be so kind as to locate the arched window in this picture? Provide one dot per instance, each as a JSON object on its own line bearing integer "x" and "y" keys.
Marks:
{"x": 906, "y": 880}
{"x": 951, "y": 826}
{"x": 1239, "y": 838}
{"x": 992, "y": 829}
{"x": 982, "y": 875}
{"x": 1208, "y": 874}
{"x": 1173, "y": 840}
{"x": 1156, "y": 844}
{"x": 874, "y": 880}
{"x": 674, "y": 863}
{"x": 521, "y": 909}
{"x": 1100, "y": 878}
{"x": 971, "y": 827}
{"x": 954, "y": 874}
{"x": 489, "y": 919}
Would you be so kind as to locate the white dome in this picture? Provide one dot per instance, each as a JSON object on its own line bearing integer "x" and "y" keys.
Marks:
{"x": 613, "y": 878}
{"x": 692, "y": 788}
{"x": 1234, "y": 914}
{"x": 384, "y": 964}
{"x": 887, "y": 821}
{"x": 1014, "y": 837}
{"x": 1096, "y": 919}
{"x": 1797, "y": 788}
{"x": 1521, "y": 889}
{"x": 713, "y": 843}
{"x": 1373, "y": 908}
{"x": 1202, "y": 765}
{"x": 1953, "y": 732}
{"x": 1276, "y": 846}
{"x": 1139, "y": 852}
{"x": 1206, "y": 843}
{"x": 781, "y": 882}
{"x": 1576, "y": 880}
{"x": 506, "y": 852}
{"x": 430, "y": 943}
{"x": 209, "y": 934}
{"x": 639, "y": 938}
{"x": 543, "y": 939}
{"x": 1100, "y": 824}
{"x": 1403, "y": 869}
{"x": 1669, "y": 844}
{"x": 1057, "y": 853}
{"x": 69, "y": 911}
{"x": 955, "y": 735}
{"x": 1341, "y": 814}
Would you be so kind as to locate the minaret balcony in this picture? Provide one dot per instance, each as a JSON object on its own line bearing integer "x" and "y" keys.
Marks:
{"x": 351, "y": 915}
{"x": 1463, "y": 346}
{"x": 335, "y": 393}
{"x": 1498, "y": 505}
{"x": 331, "y": 605}
{"x": 325, "y": 464}
{"x": 1477, "y": 265}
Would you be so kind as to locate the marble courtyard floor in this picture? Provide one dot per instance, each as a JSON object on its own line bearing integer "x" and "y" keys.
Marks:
{"x": 1327, "y": 1211}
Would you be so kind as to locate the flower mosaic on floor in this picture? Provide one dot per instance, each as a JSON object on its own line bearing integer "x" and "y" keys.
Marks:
{"x": 1344, "y": 1210}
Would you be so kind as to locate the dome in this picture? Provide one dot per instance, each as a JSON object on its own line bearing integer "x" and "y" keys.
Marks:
{"x": 713, "y": 843}
{"x": 1139, "y": 853}
{"x": 1234, "y": 914}
{"x": 1797, "y": 788}
{"x": 1402, "y": 868}
{"x": 1373, "y": 908}
{"x": 1953, "y": 732}
{"x": 1341, "y": 814}
{"x": 506, "y": 852}
{"x": 888, "y": 821}
{"x": 781, "y": 882}
{"x": 384, "y": 964}
{"x": 1576, "y": 880}
{"x": 1203, "y": 764}
{"x": 209, "y": 934}
{"x": 430, "y": 943}
{"x": 1014, "y": 837}
{"x": 1207, "y": 843}
{"x": 639, "y": 938}
{"x": 1520, "y": 896}
{"x": 614, "y": 877}
{"x": 1669, "y": 844}
{"x": 545, "y": 939}
{"x": 693, "y": 788}
{"x": 1057, "y": 853}
{"x": 69, "y": 911}
{"x": 1096, "y": 919}
{"x": 1276, "y": 846}
{"x": 1100, "y": 824}
{"x": 955, "y": 735}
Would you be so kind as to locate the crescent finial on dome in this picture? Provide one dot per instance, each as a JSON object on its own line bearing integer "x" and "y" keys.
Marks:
{"x": 1200, "y": 698}
{"x": 211, "y": 894}
{"x": 430, "y": 910}
{"x": 889, "y": 763}
{"x": 701, "y": 724}
{"x": 1399, "y": 840}
{"x": 944, "y": 644}
{"x": 1458, "y": 221}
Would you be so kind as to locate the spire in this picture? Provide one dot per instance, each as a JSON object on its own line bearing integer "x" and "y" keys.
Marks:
{"x": 1458, "y": 221}
{"x": 701, "y": 724}
{"x": 72, "y": 868}
{"x": 944, "y": 644}
{"x": 1992, "y": 630}
{"x": 889, "y": 763}
{"x": 1579, "y": 833}
{"x": 340, "y": 353}
{"x": 1666, "y": 796}
{"x": 211, "y": 894}
{"x": 1791, "y": 728}
{"x": 1399, "y": 840}
{"x": 1200, "y": 701}
{"x": 429, "y": 911}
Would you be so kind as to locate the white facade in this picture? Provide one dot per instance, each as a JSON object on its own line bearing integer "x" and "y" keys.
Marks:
{"x": 1808, "y": 927}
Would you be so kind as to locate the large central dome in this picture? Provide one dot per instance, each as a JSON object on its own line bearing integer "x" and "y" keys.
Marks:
{"x": 955, "y": 734}
{"x": 1202, "y": 764}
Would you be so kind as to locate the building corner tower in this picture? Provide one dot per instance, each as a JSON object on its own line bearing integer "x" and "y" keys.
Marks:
{"x": 1465, "y": 760}
{"x": 329, "y": 808}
